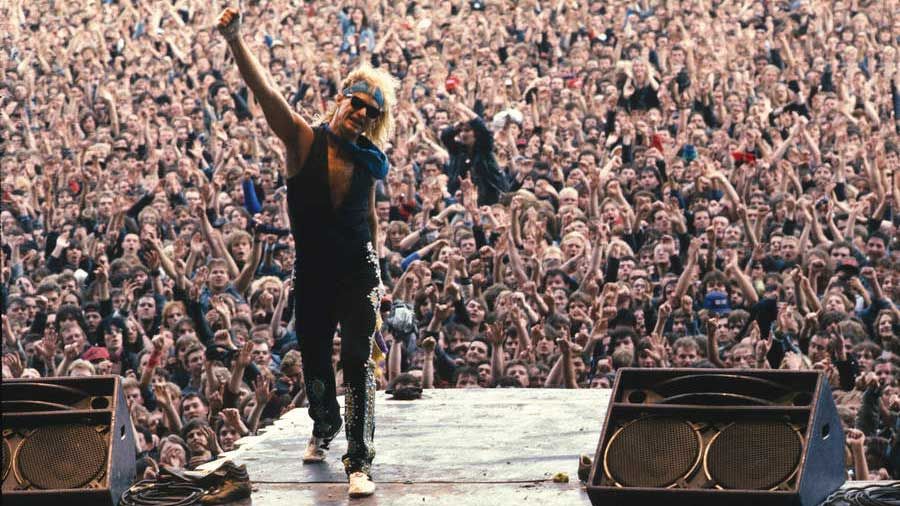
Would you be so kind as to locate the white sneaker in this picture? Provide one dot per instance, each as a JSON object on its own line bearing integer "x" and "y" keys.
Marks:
{"x": 360, "y": 485}
{"x": 314, "y": 451}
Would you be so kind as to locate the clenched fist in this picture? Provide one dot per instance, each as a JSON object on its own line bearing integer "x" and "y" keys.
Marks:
{"x": 856, "y": 439}
{"x": 229, "y": 24}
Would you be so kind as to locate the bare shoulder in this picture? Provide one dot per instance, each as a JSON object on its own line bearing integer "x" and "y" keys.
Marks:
{"x": 298, "y": 150}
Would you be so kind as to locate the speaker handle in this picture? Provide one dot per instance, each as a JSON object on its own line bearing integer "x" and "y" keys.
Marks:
{"x": 715, "y": 399}
{"x": 26, "y": 390}
{"x": 33, "y": 406}
{"x": 674, "y": 383}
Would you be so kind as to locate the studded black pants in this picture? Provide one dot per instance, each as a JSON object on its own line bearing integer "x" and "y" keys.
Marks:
{"x": 326, "y": 295}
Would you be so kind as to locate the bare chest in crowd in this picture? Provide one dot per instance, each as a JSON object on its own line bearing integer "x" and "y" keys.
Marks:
{"x": 340, "y": 176}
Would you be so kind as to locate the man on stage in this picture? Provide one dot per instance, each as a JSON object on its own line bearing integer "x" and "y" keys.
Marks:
{"x": 331, "y": 170}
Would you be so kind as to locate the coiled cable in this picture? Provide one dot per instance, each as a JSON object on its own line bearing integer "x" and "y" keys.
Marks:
{"x": 870, "y": 495}
{"x": 165, "y": 493}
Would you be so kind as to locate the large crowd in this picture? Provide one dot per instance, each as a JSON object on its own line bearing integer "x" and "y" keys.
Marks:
{"x": 575, "y": 187}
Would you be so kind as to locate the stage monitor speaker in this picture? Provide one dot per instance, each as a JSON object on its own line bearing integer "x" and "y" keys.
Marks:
{"x": 66, "y": 439}
{"x": 718, "y": 436}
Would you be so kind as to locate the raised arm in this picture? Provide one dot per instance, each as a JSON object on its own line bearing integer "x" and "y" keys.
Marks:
{"x": 515, "y": 259}
{"x": 734, "y": 272}
{"x": 293, "y": 130}
{"x": 748, "y": 227}
{"x": 165, "y": 401}
{"x": 496, "y": 334}
{"x": 567, "y": 348}
{"x": 242, "y": 283}
{"x": 394, "y": 356}
{"x": 684, "y": 281}
{"x": 428, "y": 368}
{"x": 167, "y": 264}
{"x": 275, "y": 325}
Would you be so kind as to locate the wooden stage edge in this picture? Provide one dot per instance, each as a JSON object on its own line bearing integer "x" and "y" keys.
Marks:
{"x": 476, "y": 447}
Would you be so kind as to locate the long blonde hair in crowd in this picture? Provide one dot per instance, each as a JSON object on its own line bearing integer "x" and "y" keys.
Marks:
{"x": 382, "y": 129}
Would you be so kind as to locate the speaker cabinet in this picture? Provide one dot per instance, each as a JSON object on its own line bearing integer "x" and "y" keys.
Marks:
{"x": 66, "y": 439}
{"x": 718, "y": 436}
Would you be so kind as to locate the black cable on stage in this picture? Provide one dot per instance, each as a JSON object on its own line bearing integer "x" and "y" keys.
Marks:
{"x": 155, "y": 493}
{"x": 870, "y": 495}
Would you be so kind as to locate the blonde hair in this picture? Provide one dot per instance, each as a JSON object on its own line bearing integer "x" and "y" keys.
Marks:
{"x": 575, "y": 236}
{"x": 382, "y": 129}
{"x": 553, "y": 251}
{"x": 83, "y": 365}
{"x": 258, "y": 284}
{"x": 568, "y": 191}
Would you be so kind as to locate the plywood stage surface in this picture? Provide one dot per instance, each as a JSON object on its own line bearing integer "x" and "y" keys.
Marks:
{"x": 479, "y": 447}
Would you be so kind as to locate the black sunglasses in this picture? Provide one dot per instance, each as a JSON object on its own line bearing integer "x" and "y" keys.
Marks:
{"x": 357, "y": 103}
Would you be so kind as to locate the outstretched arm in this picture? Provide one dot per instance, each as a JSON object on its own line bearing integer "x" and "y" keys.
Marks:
{"x": 293, "y": 131}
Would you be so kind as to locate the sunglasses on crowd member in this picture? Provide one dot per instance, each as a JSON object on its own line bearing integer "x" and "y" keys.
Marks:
{"x": 357, "y": 103}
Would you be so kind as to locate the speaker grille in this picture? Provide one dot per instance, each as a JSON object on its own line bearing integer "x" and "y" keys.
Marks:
{"x": 754, "y": 455}
{"x": 652, "y": 452}
{"x": 62, "y": 456}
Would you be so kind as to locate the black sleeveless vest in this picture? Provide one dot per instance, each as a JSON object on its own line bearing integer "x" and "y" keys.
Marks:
{"x": 323, "y": 234}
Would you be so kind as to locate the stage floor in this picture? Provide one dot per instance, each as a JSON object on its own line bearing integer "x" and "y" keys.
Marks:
{"x": 458, "y": 447}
